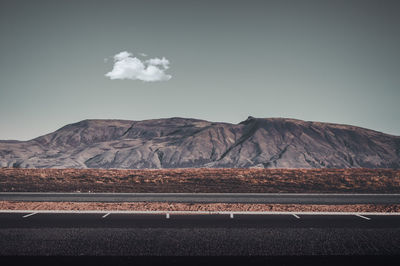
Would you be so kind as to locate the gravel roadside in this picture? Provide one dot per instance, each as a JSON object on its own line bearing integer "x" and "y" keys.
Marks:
{"x": 165, "y": 206}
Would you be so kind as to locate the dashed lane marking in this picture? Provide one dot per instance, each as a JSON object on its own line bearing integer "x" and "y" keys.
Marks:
{"x": 298, "y": 217}
{"x": 105, "y": 215}
{"x": 25, "y": 216}
{"x": 364, "y": 217}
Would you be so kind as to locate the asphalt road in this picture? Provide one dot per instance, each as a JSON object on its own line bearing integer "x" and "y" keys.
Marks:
{"x": 283, "y": 198}
{"x": 131, "y": 220}
{"x": 155, "y": 234}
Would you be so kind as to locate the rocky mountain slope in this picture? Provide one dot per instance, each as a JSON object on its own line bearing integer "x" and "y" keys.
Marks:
{"x": 181, "y": 143}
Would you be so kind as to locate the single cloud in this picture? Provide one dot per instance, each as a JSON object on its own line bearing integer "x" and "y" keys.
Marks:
{"x": 128, "y": 67}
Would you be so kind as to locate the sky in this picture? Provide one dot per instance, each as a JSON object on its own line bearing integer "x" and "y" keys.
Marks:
{"x": 330, "y": 61}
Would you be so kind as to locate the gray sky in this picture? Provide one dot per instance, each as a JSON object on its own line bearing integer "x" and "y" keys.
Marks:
{"x": 329, "y": 61}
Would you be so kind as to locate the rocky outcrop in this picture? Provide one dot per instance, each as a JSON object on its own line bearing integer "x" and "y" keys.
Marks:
{"x": 181, "y": 143}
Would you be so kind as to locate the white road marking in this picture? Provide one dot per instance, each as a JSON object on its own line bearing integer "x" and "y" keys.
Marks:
{"x": 29, "y": 215}
{"x": 231, "y": 215}
{"x": 105, "y": 215}
{"x": 205, "y": 212}
{"x": 296, "y": 216}
{"x": 363, "y": 217}
{"x": 167, "y": 216}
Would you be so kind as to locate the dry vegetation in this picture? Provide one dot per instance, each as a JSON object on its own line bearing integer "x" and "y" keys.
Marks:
{"x": 165, "y": 206}
{"x": 201, "y": 180}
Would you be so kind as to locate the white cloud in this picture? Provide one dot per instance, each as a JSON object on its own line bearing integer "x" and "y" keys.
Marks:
{"x": 128, "y": 67}
{"x": 159, "y": 62}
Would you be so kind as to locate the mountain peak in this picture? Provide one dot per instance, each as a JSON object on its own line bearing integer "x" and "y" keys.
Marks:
{"x": 248, "y": 120}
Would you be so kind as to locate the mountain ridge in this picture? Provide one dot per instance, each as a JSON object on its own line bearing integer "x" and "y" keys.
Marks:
{"x": 187, "y": 143}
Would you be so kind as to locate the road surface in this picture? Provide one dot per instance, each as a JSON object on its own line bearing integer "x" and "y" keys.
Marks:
{"x": 156, "y": 234}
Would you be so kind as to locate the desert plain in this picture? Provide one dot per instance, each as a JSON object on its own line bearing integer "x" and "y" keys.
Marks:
{"x": 200, "y": 180}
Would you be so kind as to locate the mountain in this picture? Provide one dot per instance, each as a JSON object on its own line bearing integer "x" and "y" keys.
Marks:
{"x": 185, "y": 143}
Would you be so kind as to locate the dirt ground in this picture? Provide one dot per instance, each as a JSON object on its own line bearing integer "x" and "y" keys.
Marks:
{"x": 165, "y": 206}
{"x": 192, "y": 180}
{"x": 206, "y": 180}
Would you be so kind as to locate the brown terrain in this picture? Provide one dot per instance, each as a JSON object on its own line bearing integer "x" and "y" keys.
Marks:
{"x": 209, "y": 207}
{"x": 199, "y": 180}
{"x": 204, "y": 180}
